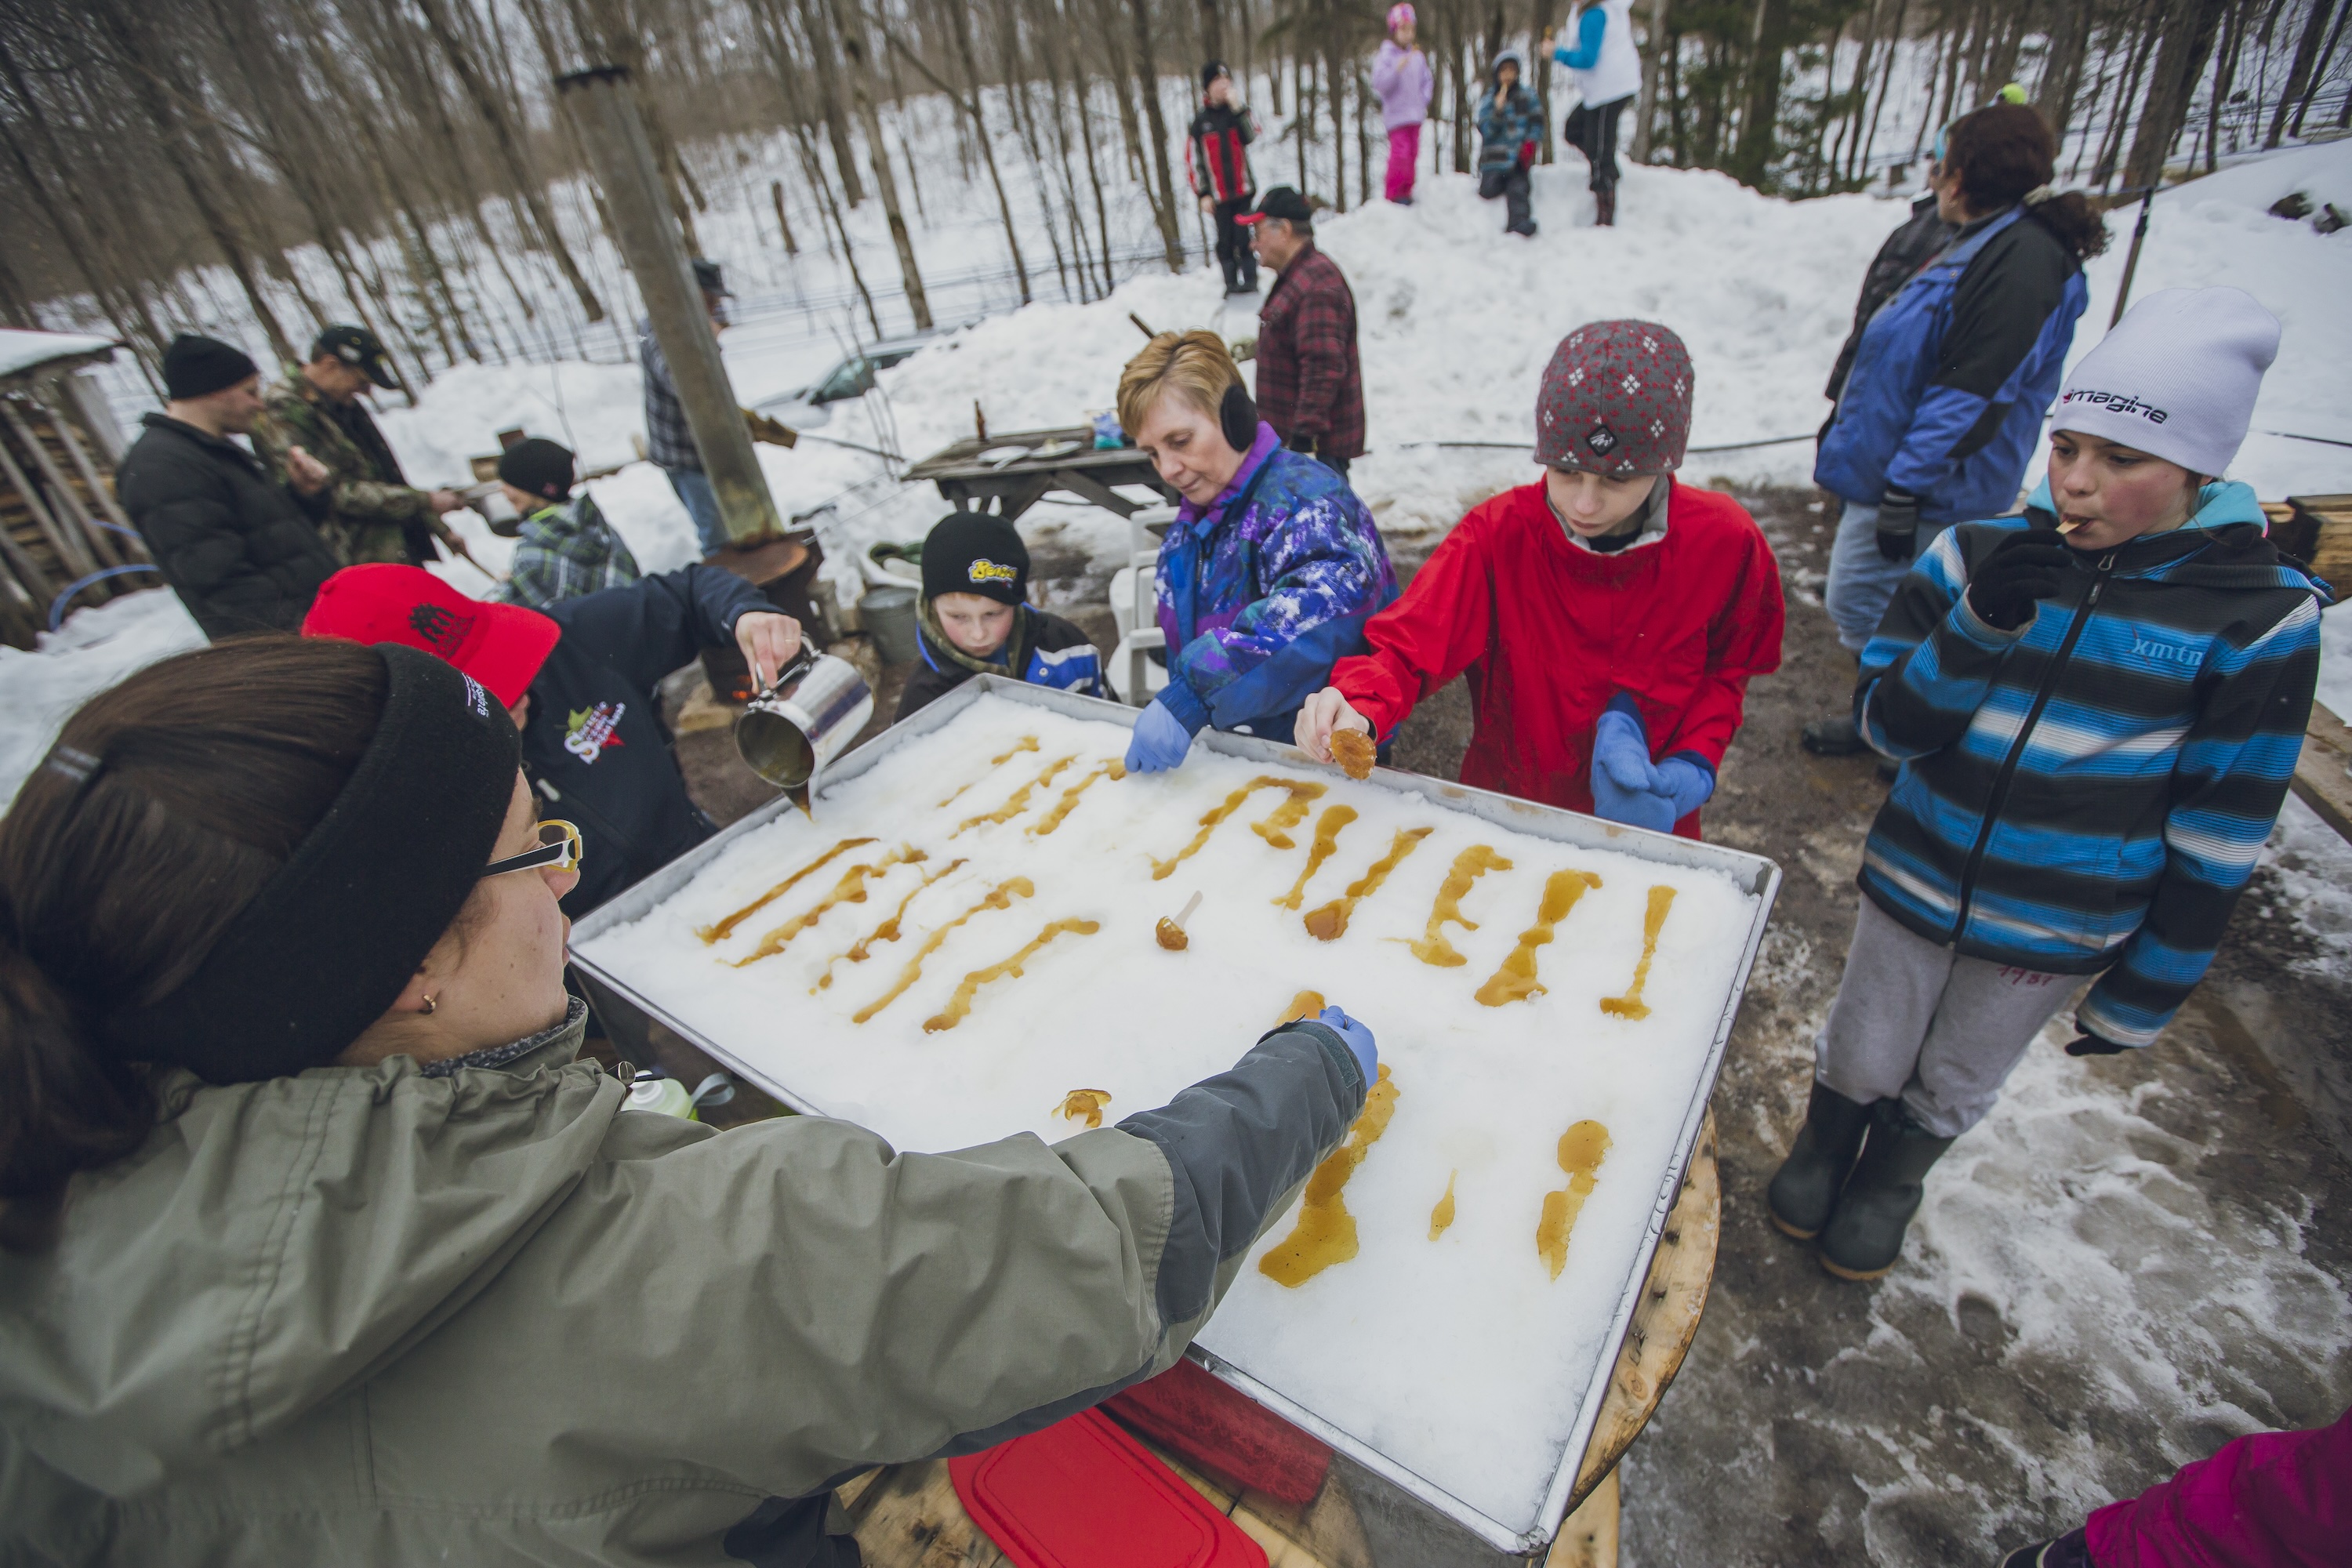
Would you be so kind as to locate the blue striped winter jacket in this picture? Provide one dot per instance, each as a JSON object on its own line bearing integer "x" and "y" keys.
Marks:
{"x": 2090, "y": 792}
{"x": 1953, "y": 375}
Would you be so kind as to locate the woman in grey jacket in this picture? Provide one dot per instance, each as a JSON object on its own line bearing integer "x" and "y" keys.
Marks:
{"x": 323, "y": 1246}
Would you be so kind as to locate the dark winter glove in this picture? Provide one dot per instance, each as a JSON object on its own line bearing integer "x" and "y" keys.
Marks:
{"x": 2027, "y": 566}
{"x": 1899, "y": 524}
{"x": 2090, "y": 1044}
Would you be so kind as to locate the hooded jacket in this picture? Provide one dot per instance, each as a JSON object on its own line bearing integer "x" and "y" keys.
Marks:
{"x": 1551, "y": 631}
{"x": 1951, "y": 377}
{"x": 1219, "y": 140}
{"x": 369, "y": 1315}
{"x": 1403, "y": 81}
{"x": 2090, "y": 792}
{"x": 243, "y": 552}
{"x": 1505, "y": 135}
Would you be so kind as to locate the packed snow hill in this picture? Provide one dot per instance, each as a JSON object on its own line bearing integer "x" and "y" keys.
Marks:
{"x": 1456, "y": 320}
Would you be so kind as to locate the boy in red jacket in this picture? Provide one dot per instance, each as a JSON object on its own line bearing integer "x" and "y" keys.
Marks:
{"x": 1609, "y": 616}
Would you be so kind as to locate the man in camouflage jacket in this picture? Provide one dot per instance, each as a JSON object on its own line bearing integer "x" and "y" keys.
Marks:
{"x": 374, "y": 514}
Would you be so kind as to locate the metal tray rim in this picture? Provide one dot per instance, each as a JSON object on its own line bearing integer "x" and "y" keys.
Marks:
{"x": 1762, "y": 881}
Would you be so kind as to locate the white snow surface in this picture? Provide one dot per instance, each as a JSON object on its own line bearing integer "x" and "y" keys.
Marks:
{"x": 1460, "y": 1358}
{"x": 21, "y": 350}
{"x": 95, "y": 649}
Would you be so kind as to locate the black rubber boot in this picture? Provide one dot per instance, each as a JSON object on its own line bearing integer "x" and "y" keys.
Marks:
{"x": 1834, "y": 736}
{"x": 1864, "y": 1234}
{"x": 1805, "y": 1188}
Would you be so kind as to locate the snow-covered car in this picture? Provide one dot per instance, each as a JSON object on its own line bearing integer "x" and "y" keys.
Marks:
{"x": 851, "y": 377}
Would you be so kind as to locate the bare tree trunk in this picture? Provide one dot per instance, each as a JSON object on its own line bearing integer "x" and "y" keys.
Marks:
{"x": 816, "y": 171}
{"x": 1651, "y": 65}
{"x": 776, "y": 194}
{"x": 886, "y": 184}
{"x": 1147, "y": 81}
{"x": 959, "y": 28}
{"x": 2189, "y": 27}
{"x": 2299, "y": 73}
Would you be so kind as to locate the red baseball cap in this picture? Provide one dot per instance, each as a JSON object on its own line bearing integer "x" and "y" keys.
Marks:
{"x": 501, "y": 646}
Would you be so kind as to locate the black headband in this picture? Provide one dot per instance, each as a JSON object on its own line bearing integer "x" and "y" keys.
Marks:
{"x": 329, "y": 942}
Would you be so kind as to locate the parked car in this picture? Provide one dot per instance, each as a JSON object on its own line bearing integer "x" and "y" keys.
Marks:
{"x": 851, "y": 377}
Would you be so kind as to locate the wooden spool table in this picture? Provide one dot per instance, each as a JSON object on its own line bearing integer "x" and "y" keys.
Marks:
{"x": 908, "y": 1516}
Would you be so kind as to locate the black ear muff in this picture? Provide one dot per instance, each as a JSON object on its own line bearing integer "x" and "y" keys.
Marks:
{"x": 1238, "y": 416}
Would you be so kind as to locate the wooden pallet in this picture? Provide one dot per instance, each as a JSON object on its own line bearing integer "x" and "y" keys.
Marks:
{"x": 908, "y": 1516}
{"x": 2323, "y": 775}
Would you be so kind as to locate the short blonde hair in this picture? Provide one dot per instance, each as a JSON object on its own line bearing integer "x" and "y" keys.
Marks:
{"x": 1194, "y": 365}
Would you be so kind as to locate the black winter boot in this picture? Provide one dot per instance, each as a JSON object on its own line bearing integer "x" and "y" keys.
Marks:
{"x": 1834, "y": 736}
{"x": 1865, "y": 1234}
{"x": 1604, "y": 207}
{"x": 1805, "y": 1188}
{"x": 2071, "y": 1551}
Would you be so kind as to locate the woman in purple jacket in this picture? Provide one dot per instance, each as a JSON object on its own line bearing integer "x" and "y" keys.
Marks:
{"x": 1401, "y": 76}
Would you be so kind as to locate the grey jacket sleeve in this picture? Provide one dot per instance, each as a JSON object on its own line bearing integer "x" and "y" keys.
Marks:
{"x": 833, "y": 1302}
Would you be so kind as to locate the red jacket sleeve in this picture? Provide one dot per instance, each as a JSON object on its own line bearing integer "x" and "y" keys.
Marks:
{"x": 1742, "y": 640}
{"x": 1428, "y": 637}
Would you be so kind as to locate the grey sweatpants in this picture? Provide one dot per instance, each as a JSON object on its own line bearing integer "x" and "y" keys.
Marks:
{"x": 1917, "y": 1020}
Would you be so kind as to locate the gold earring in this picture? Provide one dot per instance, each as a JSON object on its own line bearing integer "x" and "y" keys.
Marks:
{"x": 429, "y": 1005}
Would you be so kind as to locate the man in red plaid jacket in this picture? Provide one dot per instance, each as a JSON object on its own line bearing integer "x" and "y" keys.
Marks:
{"x": 1310, "y": 387}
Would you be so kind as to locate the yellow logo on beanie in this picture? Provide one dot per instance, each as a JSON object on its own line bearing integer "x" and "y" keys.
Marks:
{"x": 986, "y": 571}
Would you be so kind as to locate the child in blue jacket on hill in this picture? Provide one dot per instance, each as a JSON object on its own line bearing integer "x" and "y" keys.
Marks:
{"x": 1510, "y": 117}
{"x": 2097, "y": 707}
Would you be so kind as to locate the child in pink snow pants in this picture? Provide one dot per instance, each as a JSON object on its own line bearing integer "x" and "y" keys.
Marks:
{"x": 1403, "y": 79}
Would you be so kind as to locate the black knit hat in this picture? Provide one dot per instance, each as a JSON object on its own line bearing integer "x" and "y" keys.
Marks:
{"x": 194, "y": 366}
{"x": 1210, "y": 73}
{"x": 975, "y": 553}
{"x": 539, "y": 466}
{"x": 329, "y": 940}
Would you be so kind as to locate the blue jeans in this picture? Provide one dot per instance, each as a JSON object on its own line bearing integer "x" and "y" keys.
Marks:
{"x": 693, "y": 487}
{"x": 1861, "y": 580}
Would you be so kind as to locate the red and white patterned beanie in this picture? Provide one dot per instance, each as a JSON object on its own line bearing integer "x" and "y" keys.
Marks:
{"x": 1616, "y": 399}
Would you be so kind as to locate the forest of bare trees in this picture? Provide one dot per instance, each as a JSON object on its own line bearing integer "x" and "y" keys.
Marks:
{"x": 402, "y": 162}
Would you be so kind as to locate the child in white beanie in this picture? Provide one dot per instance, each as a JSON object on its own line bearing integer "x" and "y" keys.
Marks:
{"x": 2097, "y": 707}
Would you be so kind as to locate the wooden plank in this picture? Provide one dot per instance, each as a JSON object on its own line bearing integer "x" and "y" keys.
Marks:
{"x": 1587, "y": 1538}
{"x": 2323, "y": 775}
{"x": 1088, "y": 488}
{"x": 1666, "y": 1320}
{"x": 911, "y": 1517}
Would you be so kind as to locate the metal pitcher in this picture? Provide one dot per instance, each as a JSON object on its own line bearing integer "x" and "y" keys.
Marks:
{"x": 792, "y": 731}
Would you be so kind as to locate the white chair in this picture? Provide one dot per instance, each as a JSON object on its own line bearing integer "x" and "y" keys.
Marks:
{"x": 1135, "y": 610}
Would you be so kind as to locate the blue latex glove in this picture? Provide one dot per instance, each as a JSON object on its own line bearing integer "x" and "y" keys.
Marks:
{"x": 1161, "y": 742}
{"x": 1687, "y": 784}
{"x": 1360, "y": 1040}
{"x": 1626, "y": 786}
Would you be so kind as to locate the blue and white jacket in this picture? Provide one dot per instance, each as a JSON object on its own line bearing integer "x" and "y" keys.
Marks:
{"x": 1952, "y": 376}
{"x": 2090, "y": 792}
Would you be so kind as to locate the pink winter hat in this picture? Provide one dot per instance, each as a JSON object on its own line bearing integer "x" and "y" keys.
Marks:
{"x": 1399, "y": 15}
{"x": 1616, "y": 399}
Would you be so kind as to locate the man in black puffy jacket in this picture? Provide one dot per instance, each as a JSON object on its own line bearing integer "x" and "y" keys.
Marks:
{"x": 243, "y": 552}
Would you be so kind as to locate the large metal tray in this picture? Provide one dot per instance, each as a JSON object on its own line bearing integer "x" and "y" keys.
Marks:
{"x": 1754, "y": 873}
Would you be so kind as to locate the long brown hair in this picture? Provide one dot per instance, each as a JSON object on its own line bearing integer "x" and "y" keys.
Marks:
{"x": 2007, "y": 154}
{"x": 168, "y": 802}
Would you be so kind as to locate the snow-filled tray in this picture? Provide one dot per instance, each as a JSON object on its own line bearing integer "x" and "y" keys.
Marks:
{"x": 965, "y": 942}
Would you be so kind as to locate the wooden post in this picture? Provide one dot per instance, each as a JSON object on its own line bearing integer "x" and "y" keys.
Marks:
{"x": 613, "y": 135}
{"x": 102, "y": 549}
{"x": 75, "y": 559}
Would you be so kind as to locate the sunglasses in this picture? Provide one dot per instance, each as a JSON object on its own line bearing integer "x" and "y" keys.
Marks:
{"x": 559, "y": 846}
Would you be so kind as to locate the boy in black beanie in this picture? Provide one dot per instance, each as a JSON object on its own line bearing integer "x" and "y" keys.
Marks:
{"x": 568, "y": 550}
{"x": 977, "y": 620}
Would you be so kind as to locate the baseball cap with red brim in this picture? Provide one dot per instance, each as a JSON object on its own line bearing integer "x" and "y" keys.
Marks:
{"x": 501, "y": 646}
{"x": 1281, "y": 202}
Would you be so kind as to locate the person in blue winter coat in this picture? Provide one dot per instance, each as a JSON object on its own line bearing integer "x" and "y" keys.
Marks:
{"x": 1943, "y": 406}
{"x": 976, "y": 618}
{"x": 1608, "y": 72}
{"x": 2097, "y": 708}
{"x": 1271, "y": 569}
{"x": 1509, "y": 120}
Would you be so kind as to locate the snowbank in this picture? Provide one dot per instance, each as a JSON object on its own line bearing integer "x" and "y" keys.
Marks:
{"x": 95, "y": 649}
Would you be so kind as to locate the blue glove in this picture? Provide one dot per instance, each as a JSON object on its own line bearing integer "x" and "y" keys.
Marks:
{"x": 1160, "y": 741}
{"x": 1687, "y": 784}
{"x": 1626, "y": 786}
{"x": 1360, "y": 1040}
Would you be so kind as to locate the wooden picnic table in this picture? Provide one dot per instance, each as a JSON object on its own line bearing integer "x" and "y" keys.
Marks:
{"x": 908, "y": 1516}
{"x": 1065, "y": 459}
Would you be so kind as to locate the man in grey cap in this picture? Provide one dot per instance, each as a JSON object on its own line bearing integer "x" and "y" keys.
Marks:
{"x": 669, "y": 442}
{"x": 373, "y": 512}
